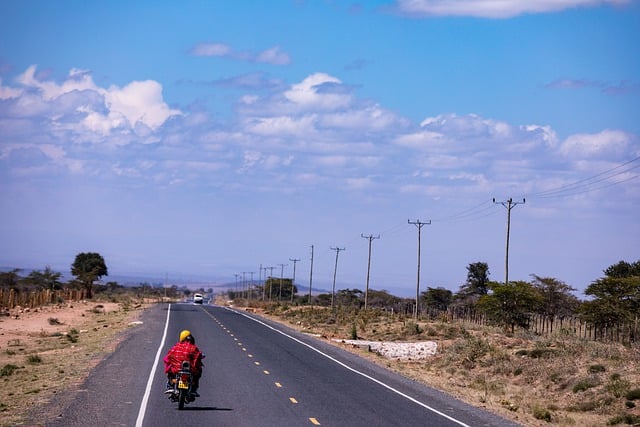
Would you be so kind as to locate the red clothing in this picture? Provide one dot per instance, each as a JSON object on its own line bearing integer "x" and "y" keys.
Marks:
{"x": 180, "y": 352}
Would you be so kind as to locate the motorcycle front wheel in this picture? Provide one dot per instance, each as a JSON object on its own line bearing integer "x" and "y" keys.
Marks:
{"x": 182, "y": 397}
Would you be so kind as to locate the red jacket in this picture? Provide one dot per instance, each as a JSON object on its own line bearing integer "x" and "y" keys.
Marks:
{"x": 183, "y": 350}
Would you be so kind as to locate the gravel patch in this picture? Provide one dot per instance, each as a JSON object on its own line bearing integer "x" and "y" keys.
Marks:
{"x": 397, "y": 350}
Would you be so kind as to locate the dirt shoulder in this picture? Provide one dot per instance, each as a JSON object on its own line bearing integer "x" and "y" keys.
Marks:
{"x": 51, "y": 348}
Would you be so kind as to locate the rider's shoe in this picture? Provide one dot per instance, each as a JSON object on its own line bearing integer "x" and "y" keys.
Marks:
{"x": 168, "y": 391}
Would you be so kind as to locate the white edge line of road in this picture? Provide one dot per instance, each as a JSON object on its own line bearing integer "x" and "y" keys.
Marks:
{"x": 353, "y": 369}
{"x": 147, "y": 392}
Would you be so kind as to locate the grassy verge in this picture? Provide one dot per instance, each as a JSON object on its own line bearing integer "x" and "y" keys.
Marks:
{"x": 536, "y": 381}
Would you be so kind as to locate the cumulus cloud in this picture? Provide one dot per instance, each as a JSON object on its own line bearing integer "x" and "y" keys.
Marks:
{"x": 608, "y": 144}
{"x": 318, "y": 91}
{"x": 314, "y": 132}
{"x": 79, "y": 104}
{"x": 493, "y": 8}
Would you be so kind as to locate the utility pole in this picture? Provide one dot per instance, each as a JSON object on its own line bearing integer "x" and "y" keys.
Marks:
{"x": 311, "y": 275}
{"x": 335, "y": 270}
{"x": 250, "y": 287}
{"x": 293, "y": 282}
{"x": 509, "y": 204}
{"x": 366, "y": 292}
{"x": 260, "y": 281}
{"x": 419, "y": 225}
{"x": 237, "y": 275}
{"x": 271, "y": 282}
{"x": 282, "y": 266}
{"x": 243, "y": 280}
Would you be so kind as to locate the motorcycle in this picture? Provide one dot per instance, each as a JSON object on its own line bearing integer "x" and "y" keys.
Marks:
{"x": 182, "y": 383}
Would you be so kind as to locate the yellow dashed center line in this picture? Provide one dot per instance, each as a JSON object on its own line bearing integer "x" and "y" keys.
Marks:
{"x": 293, "y": 400}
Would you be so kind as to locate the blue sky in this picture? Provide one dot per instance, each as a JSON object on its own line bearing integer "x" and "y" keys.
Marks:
{"x": 209, "y": 138}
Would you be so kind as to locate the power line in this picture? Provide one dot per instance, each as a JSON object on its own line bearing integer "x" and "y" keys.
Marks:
{"x": 569, "y": 189}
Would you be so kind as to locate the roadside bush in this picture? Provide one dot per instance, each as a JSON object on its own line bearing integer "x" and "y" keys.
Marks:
{"x": 585, "y": 384}
{"x": 34, "y": 359}
{"x": 594, "y": 369}
{"x": 543, "y": 414}
{"x": 633, "y": 394}
{"x": 7, "y": 370}
{"x": 629, "y": 419}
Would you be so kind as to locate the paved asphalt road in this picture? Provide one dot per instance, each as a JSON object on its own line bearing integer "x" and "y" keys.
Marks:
{"x": 257, "y": 373}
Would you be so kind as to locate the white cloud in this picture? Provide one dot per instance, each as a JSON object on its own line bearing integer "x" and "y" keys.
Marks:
{"x": 309, "y": 93}
{"x": 301, "y": 126}
{"x": 104, "y": 110}
{"x": 493, "y": 8}
{"x": 273, "y": 55}
{"x": 211, "y": 49}
{"x": 8, "y": 92}
{"x": 608, "y": 144}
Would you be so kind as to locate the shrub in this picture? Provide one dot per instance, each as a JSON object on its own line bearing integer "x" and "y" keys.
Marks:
{"x": 354, "y": 332}
{"x": 629, "y": 419}
{"x": 34, "y": 359}
{"x": 618, "y": 387}
{"x": 629, "y": 404}
{"x": 585, "y": 384}
{"x": 594, "y": 369}
{"x": 7, "y": 370}
{"x": 633, "y": 394}
{"x": 542, "y": 414}
{"x": 54, "y": 321}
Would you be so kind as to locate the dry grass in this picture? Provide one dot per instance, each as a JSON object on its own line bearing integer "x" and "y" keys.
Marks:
{"x": 536, "y": 381}
{"x": 52, "y": 348}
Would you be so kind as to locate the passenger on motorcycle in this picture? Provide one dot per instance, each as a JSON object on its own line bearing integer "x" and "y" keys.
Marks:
{"x": 185, "y": 349}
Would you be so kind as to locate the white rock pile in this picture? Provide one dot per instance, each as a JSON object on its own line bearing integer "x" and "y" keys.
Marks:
{"x": 397, "y": 350}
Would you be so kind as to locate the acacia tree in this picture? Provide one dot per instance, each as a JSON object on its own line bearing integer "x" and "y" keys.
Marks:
{"x": 47, "y": 279}
{"x": 477, "y": 280}
{"x": 556, "y": 297}
{"x": 89, "y": 267}
{"x": 511, "y": 304}
{"x": 438, "y": 298}
{"x": 616, "y": 297}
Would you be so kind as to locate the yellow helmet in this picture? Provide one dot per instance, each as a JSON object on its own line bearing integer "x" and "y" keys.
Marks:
{"x": 184, "y": 334}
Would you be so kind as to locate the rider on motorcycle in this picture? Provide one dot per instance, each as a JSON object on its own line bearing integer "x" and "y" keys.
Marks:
{"x": 185, "y": 349}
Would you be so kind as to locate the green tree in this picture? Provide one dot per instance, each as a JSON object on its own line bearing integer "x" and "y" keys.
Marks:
{"x": 477, "y": 280}
{"x": 623, "y": 269}
{"x": 381, "y": 299}
{"x": 349, "y": 298}
{"x": 437, "y": 298}
{"x": 10, "y": 279}
{"x": 616, "y": 300}
{"x": 47, "y": 279}
{"x": 276, "y": 288}
{"x": 557, "y": 299}
{"x": 87, "y": 268}
{"x": 510, "y": 305}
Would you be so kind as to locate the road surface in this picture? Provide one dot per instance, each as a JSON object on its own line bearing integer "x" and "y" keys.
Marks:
{"x": 257, "y": 373}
